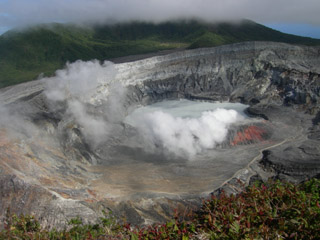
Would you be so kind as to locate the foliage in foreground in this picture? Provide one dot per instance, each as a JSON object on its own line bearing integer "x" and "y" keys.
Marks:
{"x": 273, "y": 210}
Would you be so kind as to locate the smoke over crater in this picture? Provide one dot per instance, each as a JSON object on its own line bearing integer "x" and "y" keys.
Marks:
{"x": 179, "y": 136}
{"x": 185, "y": 137}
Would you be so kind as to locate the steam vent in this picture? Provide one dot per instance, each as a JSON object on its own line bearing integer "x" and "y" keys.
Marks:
{"x": 126, "y": 137}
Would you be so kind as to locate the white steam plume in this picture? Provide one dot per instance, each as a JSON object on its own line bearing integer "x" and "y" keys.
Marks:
{"x": 115, "y": 107}
{"x": 79, "y": 79}
{"x": 15, "y": 120}
{"x": 185, "y": 137}
{"x": 76, "y": 84}
{"x": 94, "y": 128}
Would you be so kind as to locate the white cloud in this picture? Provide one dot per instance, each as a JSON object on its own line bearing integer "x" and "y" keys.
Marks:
{"x": 20, "y": 12}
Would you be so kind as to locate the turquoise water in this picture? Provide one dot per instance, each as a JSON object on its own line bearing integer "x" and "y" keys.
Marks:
{"x": 184, "y": 109}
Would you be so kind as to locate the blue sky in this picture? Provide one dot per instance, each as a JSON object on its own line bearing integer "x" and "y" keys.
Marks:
{"x": 291, "y": 16}
{"x": 306, "y": 30}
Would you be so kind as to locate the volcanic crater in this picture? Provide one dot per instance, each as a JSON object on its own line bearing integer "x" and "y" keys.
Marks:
{"x": 67, "y": 151}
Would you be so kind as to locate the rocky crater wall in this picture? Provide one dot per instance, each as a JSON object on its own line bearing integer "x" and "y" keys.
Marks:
{"x": 249, "y": 72}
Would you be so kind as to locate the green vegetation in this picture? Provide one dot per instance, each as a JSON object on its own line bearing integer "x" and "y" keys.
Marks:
{"x": 272, "y": 210}
{"x": 24, "y": 54}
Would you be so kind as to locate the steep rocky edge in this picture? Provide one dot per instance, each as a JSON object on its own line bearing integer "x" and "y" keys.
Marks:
{"x": 53, "y": 172}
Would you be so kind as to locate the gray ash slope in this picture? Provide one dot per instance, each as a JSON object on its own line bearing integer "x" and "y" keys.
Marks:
{"x": 50, "y": 168}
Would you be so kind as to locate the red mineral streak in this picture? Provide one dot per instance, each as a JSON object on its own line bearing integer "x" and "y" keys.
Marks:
{"x": 252, "y": 133}
{"x": 92, "y": 193}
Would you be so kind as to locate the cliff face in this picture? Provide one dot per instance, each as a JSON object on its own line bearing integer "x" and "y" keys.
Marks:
{"x": 248, "y": 71}
{"x": 51, "y": 168}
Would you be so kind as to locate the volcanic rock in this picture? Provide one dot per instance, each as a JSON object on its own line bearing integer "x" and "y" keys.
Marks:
{"x": 51, "y": 168}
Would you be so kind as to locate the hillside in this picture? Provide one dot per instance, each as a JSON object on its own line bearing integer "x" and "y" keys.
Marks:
{"x": 44, "y": 48}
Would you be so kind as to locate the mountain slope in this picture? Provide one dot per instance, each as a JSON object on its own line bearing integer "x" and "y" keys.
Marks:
{"x": 45, "y": 48}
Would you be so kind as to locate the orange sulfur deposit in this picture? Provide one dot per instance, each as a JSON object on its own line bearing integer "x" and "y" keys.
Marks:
{"x": 251, "y": 133}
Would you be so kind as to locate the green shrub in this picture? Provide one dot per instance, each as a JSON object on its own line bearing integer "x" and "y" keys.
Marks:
{"x": 272, "y": 210}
